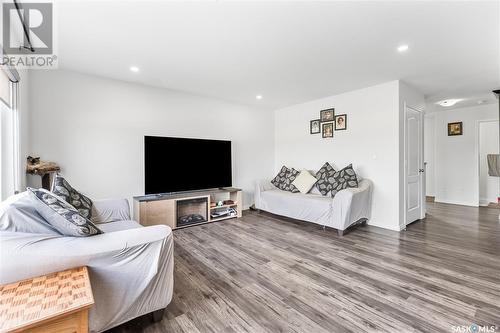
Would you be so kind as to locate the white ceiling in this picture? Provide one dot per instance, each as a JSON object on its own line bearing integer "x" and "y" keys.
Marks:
{"x": 289, "y": 52}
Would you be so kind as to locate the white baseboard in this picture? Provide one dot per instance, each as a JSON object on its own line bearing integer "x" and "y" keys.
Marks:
{"x": 486, "y": 202}
{"x": 452, "y": 202}
{"x": 383, "y": 226}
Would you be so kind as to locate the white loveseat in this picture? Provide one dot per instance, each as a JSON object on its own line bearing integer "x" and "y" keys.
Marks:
{"x": 349, "y": 206}
{"x": 130, "y": 266}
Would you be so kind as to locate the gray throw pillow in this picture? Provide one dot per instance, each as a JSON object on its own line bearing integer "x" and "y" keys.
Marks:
{"x": 325, "y": 178}
{"x": 63, "y": 189}
{"x": 61, "y": 215}
{"x": 290, "y": 177}
{"x": 280, "y": 180}
{"x": 343, "y": 179}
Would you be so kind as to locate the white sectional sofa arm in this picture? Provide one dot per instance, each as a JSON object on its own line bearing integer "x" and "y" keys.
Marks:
{"x": 353, "y": 204}
{"x": 265, "y": 185}
{"x": 110, "y": 210}
{"x": 24, "y": 255}
{"x": 364, "y": 186}
{"x": 261, "y": 186}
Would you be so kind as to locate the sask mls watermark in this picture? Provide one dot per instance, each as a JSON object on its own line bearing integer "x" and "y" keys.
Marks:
{"x": 474, "y": 328}
{"x": 28, "y": 35}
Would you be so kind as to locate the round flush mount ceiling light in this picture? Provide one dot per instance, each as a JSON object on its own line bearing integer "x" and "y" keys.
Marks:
{"x": 134, "y": 69}
{"x": 448, "y": 102}
{"x": 258, "y": 97}
{"x": 403, "y": 48}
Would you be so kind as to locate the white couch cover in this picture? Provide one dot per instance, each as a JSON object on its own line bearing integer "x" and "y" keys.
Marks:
{"x": 130, "y": 266}
{"x": 347, "y": 207}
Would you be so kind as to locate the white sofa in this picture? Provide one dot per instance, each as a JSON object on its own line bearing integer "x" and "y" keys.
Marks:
{"x": 349, "y": 206}
{"x": 130, "y": 266}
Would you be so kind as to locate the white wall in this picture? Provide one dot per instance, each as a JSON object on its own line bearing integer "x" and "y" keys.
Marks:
{"x": 456, "y": 157}
{"x": 370, "y": 143}
{"x": 488, "y": 144}
{"x": 429, "y": 155}
{"x": 94, "y": 128}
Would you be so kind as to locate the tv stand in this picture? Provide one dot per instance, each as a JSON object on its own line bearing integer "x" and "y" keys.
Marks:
{"x": 180, "y": 210}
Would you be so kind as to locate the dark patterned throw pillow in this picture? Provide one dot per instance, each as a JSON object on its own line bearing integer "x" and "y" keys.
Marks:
{"x": 343, "y": 179}
{"x": 280, "y": 180}
{"x": 61, "y": 215}
{"x": 63, "y": 189}
{"x": 325, "y": 178}
{"x": 290, "y": 177}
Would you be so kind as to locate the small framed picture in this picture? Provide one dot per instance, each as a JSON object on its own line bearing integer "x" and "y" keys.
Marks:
{"x": 326, "y": 115}
{"x": 340, "y": 122}
{"x": 455, "y": 128}
{"x": 314, "y": 126}
{"x": 327, "y": 129}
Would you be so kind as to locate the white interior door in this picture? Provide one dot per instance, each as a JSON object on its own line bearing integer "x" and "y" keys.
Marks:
{"x": 488, "y": 144}
{"x": 414, "y": 165}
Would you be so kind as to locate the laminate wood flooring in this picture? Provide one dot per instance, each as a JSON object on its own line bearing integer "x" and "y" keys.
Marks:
{"x": 264, "y": 273}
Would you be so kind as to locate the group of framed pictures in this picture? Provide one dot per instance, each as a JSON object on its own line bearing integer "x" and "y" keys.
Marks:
{"x": 327, "y": 122}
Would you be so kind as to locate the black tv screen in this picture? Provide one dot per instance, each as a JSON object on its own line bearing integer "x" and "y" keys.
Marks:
{"x": 181, "y": 164}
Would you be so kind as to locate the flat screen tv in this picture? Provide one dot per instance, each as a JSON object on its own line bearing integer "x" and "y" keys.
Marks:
{"x": 182, "y": 164}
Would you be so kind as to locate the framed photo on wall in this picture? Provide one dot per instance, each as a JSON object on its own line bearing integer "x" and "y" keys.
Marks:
{"x": 455, "y": 128}
{"x": 327, "y": 115}
{"x": 327, "y": 130}
{"x": 341, "y": 122}
{"x": 314, "y": 126}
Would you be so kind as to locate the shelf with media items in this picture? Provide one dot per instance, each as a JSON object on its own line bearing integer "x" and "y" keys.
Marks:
{"x": 181, "y": 210}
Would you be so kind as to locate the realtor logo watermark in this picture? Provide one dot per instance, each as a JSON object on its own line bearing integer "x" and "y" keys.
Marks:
{"x": 474, "y": 328}
{"x": 28, "y": 35}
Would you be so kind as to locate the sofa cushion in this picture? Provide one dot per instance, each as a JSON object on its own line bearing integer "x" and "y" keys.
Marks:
{"x": 314, "y": 190}
{"x": 343, "y": 179}
{"x": 304, "y": 181}
{"x": 18, "y": 214}
{"x": 325, "y": 178}
{"x": 119, "y": 225}
{"x": 308, "y": 207}
{"x": 61, "y": 215}
{"x": 63, "y": 189}
{"x": 110, "y": 210}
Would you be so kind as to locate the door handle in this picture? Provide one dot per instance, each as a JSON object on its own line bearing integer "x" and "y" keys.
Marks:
{"x": 421, "y": 170}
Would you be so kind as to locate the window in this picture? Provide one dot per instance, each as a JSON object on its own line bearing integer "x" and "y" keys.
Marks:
{"x": 9, "y": 138}
{"x": 4, "y": 89}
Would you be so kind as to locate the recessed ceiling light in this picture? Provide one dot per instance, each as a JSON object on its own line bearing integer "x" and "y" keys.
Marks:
{"x": 134, "y": 69}
{"x": 403, "y": 48}
{"x": 449, "y": 102}
{"x": 258, "y": 96}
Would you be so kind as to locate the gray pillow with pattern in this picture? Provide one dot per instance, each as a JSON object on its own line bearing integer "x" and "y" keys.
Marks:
{"x": 290, "y": 177}
{"x": 61, "y": 215}
{"x": 280, "y": 180}
{"x": 325, "y": 178}
{"x": 343, "y": 179}
{"x": 63, "y": 189}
